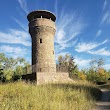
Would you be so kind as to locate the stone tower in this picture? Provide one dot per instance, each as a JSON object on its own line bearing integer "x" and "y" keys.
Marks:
{"x": 42, "y": 31}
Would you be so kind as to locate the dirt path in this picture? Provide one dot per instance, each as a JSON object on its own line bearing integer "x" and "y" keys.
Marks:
{"x": 104, "y": 104}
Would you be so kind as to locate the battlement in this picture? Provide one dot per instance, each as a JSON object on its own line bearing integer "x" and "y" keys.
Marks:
{"x": 41, "y": 14}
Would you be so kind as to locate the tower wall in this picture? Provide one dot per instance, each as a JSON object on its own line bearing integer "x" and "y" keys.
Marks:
{"x": 42, "y": 31}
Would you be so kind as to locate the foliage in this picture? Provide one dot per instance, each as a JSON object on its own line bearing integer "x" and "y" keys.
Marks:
{"x": 68, "y": 61}
{"x": 18, "y": 73}
{"x": 2, "y": 78}
{"x": 73, "y": 70}
{"x": 61, "y": 96}
{"x": 64, "y": 60}
{"x": 10, "y": 68}
{"x": 97, "y": 63}
{"x": 96, "y": 73}
{"x": 82, "y": 76}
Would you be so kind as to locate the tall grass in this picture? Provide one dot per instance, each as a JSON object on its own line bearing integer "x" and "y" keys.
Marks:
{"x": 61, "y": 96}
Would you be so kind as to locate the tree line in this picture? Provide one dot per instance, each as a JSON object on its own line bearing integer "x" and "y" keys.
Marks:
{"x": 12, "y": 69}
{"x": 95, "y": 73}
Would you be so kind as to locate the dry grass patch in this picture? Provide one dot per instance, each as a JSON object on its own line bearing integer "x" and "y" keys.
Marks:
{"x": 60, "y": 96}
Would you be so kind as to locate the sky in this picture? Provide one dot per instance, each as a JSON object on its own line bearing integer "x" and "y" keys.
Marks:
{"x": 82, "y": 28}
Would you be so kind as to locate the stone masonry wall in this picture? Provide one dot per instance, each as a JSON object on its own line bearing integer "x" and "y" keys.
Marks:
{"x": 42, "y": 32}
{"x": 43, "y": 78}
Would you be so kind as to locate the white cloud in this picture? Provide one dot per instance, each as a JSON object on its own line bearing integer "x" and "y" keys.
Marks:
{"x": 15, "y": 37}
{"x": 69, "y": 26}
{"x": 82, "y": 63}
{"x": 13, "y": 51}
{"x": 99, "y": 32}
{"x": 102, "y": 51}
{"x": 67, "y": 29}
{"x": 85, "y": 47}
{"x": 23, "y": 5}
{"x": 61, "y": 33}
{"x": 106, "y": 13}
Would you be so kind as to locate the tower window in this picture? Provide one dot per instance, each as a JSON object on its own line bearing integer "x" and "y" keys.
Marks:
{"x": 53, "y": 52}
{"x": 40, "y": 40}
{"x": 40, "y": 69}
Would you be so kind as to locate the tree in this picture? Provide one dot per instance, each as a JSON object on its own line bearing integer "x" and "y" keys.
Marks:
{"x": 100, "y": 62}
{"x": 97, "y": 63}
{"x": 17, "y": 73}
{"x": 60, "y": 60}
{"x": 96, "y": 72}
{"x": 68, "y": 61}
{"x": 64, "y": 61}
{"x": 11, "y": 67}
{"x": 93, "y": 63}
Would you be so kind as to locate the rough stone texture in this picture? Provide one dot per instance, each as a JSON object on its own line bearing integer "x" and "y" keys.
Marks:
{"x": 42, "y": 32}
{"x": 44, "y": 77}
{"x": 51, "y": 78}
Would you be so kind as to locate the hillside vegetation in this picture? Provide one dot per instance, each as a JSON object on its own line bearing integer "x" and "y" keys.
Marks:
{"x": 60, "y": 96}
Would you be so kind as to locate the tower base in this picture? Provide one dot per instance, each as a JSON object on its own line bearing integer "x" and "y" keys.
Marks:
{"x": 44, "y": 77}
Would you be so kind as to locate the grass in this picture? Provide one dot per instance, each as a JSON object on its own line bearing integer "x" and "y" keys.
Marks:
{"x": 60, "y": 96}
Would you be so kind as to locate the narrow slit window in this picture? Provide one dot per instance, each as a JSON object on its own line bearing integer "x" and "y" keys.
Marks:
{"x": 53, "y": 52}
{"x": 40, "y": 69}
{"x": 40, "y": 40}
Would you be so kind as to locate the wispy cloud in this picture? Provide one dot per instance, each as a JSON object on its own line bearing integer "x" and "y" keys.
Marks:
{"x": 69, "y": 26}
{"x": 85, "y": 47}
{"x": 59, "y": 48}
{"x": 99, "y": 32}
{"x": 106, "y": 13}
{"x": 102, "y": 52}
{"x": 23, "y": 4}
{"x": 105, "y": 4}
{"x": 56, "y": 8}
{"x": 20, "y": 24}
{"x": 15, "y": 37}
{"x": 13, "y": 51}
{"x": 106, "y": 17}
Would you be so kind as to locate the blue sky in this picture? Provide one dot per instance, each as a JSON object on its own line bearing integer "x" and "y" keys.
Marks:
{"x": 83, "y": 28}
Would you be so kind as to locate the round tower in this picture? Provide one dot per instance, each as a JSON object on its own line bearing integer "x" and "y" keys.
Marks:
{"x": 42, "y": 31}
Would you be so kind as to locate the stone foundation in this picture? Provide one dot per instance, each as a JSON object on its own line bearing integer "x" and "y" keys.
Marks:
{"x": 44, "y": 77}
{"x": 51, "y": 78}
